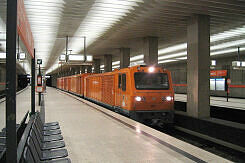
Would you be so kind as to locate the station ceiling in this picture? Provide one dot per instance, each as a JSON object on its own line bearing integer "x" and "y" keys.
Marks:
{"x": 111, "y": 24}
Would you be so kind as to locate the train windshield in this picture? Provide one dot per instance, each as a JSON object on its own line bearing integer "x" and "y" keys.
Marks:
{"x": 151, "y": 81}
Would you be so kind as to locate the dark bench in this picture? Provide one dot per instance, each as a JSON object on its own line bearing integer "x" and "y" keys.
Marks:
{"x": 19, "y": 129}
{"x": 42, "y": 142}
{"x": 37, "y": 142}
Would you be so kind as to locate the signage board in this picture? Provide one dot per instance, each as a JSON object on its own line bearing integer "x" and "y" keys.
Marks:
{"x": 39, "y": 61}
{"x": 22, "y": 56}
{"x": 39, "y": 89}
{"x": 62, "y": 57}
{"x": 39, "y": 80}
{"x": 218, "y": 73}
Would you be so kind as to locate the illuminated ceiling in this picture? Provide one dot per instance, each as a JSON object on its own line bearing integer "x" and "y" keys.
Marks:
{"x": 111, "y": 24}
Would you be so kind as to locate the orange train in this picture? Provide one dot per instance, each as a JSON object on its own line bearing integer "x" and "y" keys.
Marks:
{"x": 73, "y": 84}
{"x": 144, "y": 93}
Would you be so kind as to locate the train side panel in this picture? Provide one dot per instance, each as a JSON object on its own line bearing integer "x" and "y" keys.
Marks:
{"x": 100, "y": 88}
{"x": 62, "y": 83}
{"x": 76, "y": 84}
{"x": 73, "y": 84}
{"x": 69, "y": 83}
{"x": 66, "y": 83}
{"x": 81, "y": 83}
{"x": 108, "y": 88}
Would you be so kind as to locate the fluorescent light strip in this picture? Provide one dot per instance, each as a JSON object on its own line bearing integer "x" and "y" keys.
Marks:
{"x": 228, "y": 34}
{"x": 89, "y": 58}
{"x": 135, "y": 58}
{"x": 182, "y": 58}
{"x": 226, "y": 51}
{"x": 228, "y": 44}
{"x": 44, "y": 30}
{"x": 106, "y": 13}
{"x": 172, "y": 48}
{"x": 115, "y": 66}
{"x": 172, "y": 55}
{"x": 75, "y": 57}
{"x": 165, "y": 52}
{"x": 167, "y": 61}
{"x": 116, "y": 63}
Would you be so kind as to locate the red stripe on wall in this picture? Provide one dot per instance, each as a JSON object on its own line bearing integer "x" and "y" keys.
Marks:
{"x": 237, "y": 86}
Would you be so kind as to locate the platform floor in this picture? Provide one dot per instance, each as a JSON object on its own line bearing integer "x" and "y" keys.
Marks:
{"x": 234, "y": 103}
{"x": 95, "y": 134}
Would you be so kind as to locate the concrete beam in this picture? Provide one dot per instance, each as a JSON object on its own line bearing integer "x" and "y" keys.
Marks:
{"x": 150, "y": 50}
{"x": 198, "y": 66}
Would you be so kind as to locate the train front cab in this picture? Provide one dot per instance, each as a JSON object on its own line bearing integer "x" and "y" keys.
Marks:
{"x": 145, "y": 94}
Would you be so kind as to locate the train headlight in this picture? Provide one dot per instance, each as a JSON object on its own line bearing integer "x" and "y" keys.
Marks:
{"x": 168, "y": 98}
{"x": 151, "y": 69}
{"x": 138, "y": 98}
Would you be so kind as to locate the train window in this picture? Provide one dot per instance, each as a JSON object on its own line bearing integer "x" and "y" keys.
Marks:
{"x": 151, "y": 81}
{"x": 119, "y": 80}
{"x": 124, "y": 82}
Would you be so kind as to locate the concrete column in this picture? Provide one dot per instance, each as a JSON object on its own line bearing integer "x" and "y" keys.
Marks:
{"x": 150, "y": 50}
{"x": 69, "y": 71}
{"x": 108, "y": 63}
{"x": 198, "y": 66}
{"x": 97, "y": 65}
{"x": 78, "y": 70}
{"x": 124, "y": 57}
{"x": 89, "y": 69}
{"x": 82, "y": 69}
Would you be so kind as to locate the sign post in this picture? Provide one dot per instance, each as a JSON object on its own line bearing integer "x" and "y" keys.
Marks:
{"x": 228, "y": 82}
{"x": 11, "y": 137}
{"x": 33, "y": 76}
{"x": 39, "y": 82}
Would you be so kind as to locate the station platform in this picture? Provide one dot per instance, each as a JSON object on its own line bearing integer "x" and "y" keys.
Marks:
{"x": 95, "y": 134}
{"x": 233, "y": 103}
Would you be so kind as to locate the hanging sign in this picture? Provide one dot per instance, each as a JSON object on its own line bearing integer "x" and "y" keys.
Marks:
{"x": 39, "y": 80}
{"x": 218, "y": 73}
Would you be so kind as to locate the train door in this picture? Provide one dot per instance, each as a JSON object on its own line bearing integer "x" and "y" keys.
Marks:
{"x": 119, "y": 91}
{"x": 122, "y": 78}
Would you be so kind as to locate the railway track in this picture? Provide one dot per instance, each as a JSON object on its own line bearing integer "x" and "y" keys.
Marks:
{"x": 207, "y": 145}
